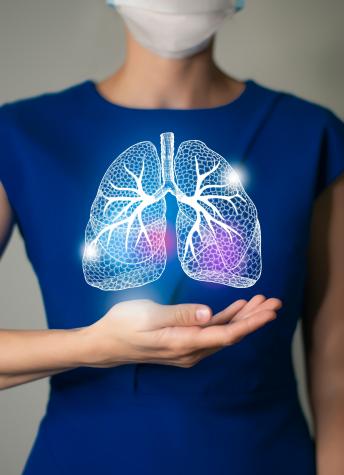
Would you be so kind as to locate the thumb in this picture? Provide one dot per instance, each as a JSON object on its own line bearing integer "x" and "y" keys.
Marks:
{"x": 184, "y": 314}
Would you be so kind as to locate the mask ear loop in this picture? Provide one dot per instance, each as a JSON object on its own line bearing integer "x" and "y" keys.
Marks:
{"x": 239, "y": 5}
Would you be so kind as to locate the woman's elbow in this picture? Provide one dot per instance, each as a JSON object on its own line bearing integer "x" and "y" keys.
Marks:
{"x": 6, "y": 382}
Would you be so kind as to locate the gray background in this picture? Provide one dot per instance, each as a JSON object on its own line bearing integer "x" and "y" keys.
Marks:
{"x": 46, "y": 45}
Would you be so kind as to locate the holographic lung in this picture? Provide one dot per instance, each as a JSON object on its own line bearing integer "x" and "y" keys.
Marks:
{"x": 125, "y": 234}
{"x": 217, "y": 225}
{"x": 218, "y": 231}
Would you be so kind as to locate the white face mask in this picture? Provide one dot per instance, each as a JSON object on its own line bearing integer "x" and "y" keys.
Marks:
{"x": 175, "y": 28}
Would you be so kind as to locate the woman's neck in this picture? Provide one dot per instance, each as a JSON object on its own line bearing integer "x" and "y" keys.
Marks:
{"x": 146, "y": 80}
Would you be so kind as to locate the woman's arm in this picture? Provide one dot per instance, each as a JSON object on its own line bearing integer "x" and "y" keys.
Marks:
{"x": 324, "y": 328}
{"x": 6, "y": 228}
{"x": 6, "y": 219}
{"x": 130, "y": 332}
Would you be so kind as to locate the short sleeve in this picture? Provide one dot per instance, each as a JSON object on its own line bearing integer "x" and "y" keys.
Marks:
{"x": 2, "y": 146}
{"x": 331, "y": 164}
{"x": 8, "y": 164}
{"x": 4, "y": 152}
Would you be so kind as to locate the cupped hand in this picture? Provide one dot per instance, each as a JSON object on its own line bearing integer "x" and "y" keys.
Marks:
{"x": 142, "y": 331}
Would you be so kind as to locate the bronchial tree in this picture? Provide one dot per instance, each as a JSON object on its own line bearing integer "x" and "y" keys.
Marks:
{"x": 218, "y": 231}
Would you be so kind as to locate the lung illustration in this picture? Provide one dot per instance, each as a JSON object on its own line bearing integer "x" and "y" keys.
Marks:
{"x": 125, "y": 234}
{"x": 218, "y": 231}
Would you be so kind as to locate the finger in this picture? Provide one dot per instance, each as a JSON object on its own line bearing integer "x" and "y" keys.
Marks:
{"x": 242, "y": 328}
{"x": 227, "y": 314}
{"x": 254, "y": 302}
{"x": 269, "y": 304}
{"x": 183, "y": 315}
{"x": 224, "y": 335}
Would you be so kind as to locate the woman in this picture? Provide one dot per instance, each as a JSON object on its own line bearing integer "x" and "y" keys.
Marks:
{"x": 141, "y": 380}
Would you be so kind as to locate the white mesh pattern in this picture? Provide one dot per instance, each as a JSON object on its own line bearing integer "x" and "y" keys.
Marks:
{"x": 218, "y": 232}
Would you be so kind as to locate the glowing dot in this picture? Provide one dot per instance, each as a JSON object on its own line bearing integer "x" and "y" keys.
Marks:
{"x": 233, "y": 178}
{"x": 91, "y": 252}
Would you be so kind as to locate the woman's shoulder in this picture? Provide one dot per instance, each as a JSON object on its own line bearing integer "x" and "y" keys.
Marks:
{"x": 298, "y": 109}
{"x": 308, "y": 125}
{"x": 40, "y": 107}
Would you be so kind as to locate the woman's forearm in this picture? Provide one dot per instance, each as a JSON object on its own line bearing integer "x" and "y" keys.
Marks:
{"x": 27, "y": 352}
{"x": 329, "y": 430}
{"x": 132, "y": 332}
{"x": 10, "y": 380}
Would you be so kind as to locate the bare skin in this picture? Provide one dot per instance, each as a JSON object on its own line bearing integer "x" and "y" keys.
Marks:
{"x": 324, "y": 328}
{"x": 146, "y": 80}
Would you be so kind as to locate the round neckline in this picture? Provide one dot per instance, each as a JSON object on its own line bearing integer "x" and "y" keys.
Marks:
{"x": 103, "y": 101}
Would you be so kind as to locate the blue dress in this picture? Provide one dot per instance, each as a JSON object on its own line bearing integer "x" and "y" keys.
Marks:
{"x": 237, "y": 411}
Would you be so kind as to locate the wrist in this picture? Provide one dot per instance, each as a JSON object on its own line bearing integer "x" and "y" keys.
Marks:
{"x": 92, "y": 350}
{"x": 82, "y": 341}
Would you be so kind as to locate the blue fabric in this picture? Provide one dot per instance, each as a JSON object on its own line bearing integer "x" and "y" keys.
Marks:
{"x": 237, "y": 411}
